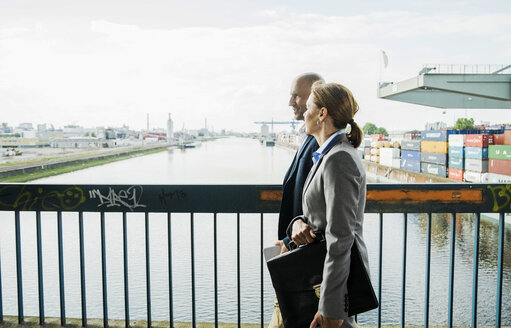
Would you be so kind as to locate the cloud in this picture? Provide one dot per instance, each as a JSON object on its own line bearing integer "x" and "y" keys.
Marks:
{"x": 112, "y": 73}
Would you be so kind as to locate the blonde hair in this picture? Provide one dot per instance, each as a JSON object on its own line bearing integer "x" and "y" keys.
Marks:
{"x": 341, "y": 106}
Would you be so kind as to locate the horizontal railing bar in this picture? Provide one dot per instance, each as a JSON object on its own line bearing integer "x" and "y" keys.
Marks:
{"x": 381, "y": 198}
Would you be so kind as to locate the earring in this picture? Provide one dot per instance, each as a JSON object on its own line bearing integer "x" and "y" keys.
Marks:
{"x": 317, "y": 123}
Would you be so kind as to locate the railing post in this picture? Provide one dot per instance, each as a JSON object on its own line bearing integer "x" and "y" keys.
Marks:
{"x": 475, "y": 276}
{"x": 238, "y": 267}
{"x": 61, "y": 270}
{"x": 19, "y": 274}
{"x": 82, "y": 270}
{"x": 380, "y": 266}
{"x": 169, "y": 250}
{"x": 451, "y": 270}
{"x": 125, "y": 263}
{"x": 103, "y": 271}
{"x": 262, "y": 272}
{"x": 498, "y": 315}
{"x": 428, "y": 273}
{"x": 40, "y": 280}
{"x": 403, "y": 283}
{"x": 148, "y": 270}
{"x": 215, "y": 264}
{"x": 192, "y": 250}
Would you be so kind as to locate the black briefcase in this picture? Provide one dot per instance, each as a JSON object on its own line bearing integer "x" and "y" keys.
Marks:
{"x": 297, "y": 275}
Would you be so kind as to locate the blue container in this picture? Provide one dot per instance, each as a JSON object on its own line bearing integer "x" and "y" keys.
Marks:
{"x": 457, "y": 163}
{"x": 435, "y": 169}
{"x": 434, "y": 135}
{"x": 457, "y": 152}
{"x": 476, "y": 152}
{"x": 411, "y": 145}
{"x": 411, "y": 155}
{"x": 410, "y": 165}
{"x": 434, "y": 158}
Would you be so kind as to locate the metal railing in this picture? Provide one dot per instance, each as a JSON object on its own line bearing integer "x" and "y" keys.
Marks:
{"x": 467, "y": 69}
{"x": 381, "y": 198}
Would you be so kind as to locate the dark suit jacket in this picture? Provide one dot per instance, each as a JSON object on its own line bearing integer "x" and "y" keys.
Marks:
{"x": 292, "y": 187}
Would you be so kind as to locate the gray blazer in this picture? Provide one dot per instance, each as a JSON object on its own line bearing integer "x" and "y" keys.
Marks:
{"x": 334, "y": 198}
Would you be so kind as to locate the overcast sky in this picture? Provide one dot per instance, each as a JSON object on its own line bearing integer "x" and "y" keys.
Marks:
{"x": 109, "y": 63}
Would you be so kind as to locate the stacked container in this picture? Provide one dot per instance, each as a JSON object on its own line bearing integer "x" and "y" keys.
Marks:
{"x": 499, "y": 155}
{"x": 390, "y": 156}
{"x": 411, "y": 155}
{"x": 434, "y": 152}
{"x": 456, "y": 156}
{"x": 476, "y": 157}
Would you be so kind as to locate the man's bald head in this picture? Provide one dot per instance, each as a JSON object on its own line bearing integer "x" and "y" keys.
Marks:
{"x": 300, "y": 91}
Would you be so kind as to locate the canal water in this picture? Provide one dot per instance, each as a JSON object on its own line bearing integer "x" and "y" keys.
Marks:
{"x": 236, "y": 161}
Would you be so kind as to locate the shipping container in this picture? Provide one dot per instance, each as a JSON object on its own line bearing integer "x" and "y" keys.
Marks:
{"x": 507, "y": 137}
{"x": 456, "y": 174}
{"x": 499, "y": 166}
{"x": 407, "y": 164}
{"x": 434, "y": 147}
{"x": 389, "y": 152}
{"x": 411, "y": 145}
{"x": 456, "y": 151}
{"x": 434, "y": 158}
{"x": 476, "y": 152}
{"x": 476, "y": 165}
{"x": 411, "y": 155}
{"x": 457, "y": 163}
{"x": 435, "y": 169}
{"x": 499, "y": 152}
{"x": 498, "y": 178}
{"x": 476, "y": 177}
{"x": 367, "y": 151}
{"x": 499, "y": 139}
{"x": 478, "y": 140}
{"x": 434, "y": 135}
{"x": 456, "y": 140}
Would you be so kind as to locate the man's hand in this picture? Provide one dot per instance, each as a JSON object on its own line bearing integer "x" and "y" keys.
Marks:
{"x": 325, "y": 322}
{"x": 283, "y": 247}
{"x": 302, "y": 233}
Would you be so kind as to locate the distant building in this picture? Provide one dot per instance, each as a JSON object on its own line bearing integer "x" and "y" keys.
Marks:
{"x": 71, "y": 131}
{"x": 436, "y": 126}
{"x": 265, "y": 130}
{"x": 25, "y": 126}
{"x": 77, "y": 142}
{"x": 170, "y": 129}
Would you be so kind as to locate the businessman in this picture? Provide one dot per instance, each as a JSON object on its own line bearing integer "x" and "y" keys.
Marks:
{"x": 292, "y": 187}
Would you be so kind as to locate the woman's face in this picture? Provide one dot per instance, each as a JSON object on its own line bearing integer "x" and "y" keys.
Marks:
{"x": 311, "y": 116}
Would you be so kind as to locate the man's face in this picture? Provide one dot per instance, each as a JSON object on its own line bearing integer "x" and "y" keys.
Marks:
{"x": 300, "y": 91}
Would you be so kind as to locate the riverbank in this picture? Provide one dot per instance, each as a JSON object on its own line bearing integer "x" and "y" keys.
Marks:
{"x": 74, "y": 165}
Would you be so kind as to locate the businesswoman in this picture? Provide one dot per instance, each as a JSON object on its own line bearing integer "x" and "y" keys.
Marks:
{"x": 333, "y": 197}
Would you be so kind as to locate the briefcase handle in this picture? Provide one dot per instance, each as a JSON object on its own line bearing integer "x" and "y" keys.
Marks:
{"x": 320, "y": 236}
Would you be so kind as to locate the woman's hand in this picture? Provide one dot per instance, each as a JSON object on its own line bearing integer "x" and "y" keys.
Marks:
{"x": 302, "y": 233}
{"x": 325, "y": 322}
{"x": 283, "y": 247}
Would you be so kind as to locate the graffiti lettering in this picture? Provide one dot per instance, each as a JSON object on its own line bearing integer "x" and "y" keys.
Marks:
{"x": 177, "y": 194}
{"x": 501, "y": 197}
{"x": 129, "y": 198}
{"x": 68, "y": 199}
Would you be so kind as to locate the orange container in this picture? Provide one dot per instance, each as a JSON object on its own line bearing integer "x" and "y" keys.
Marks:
{"x": 478, "y": 140}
